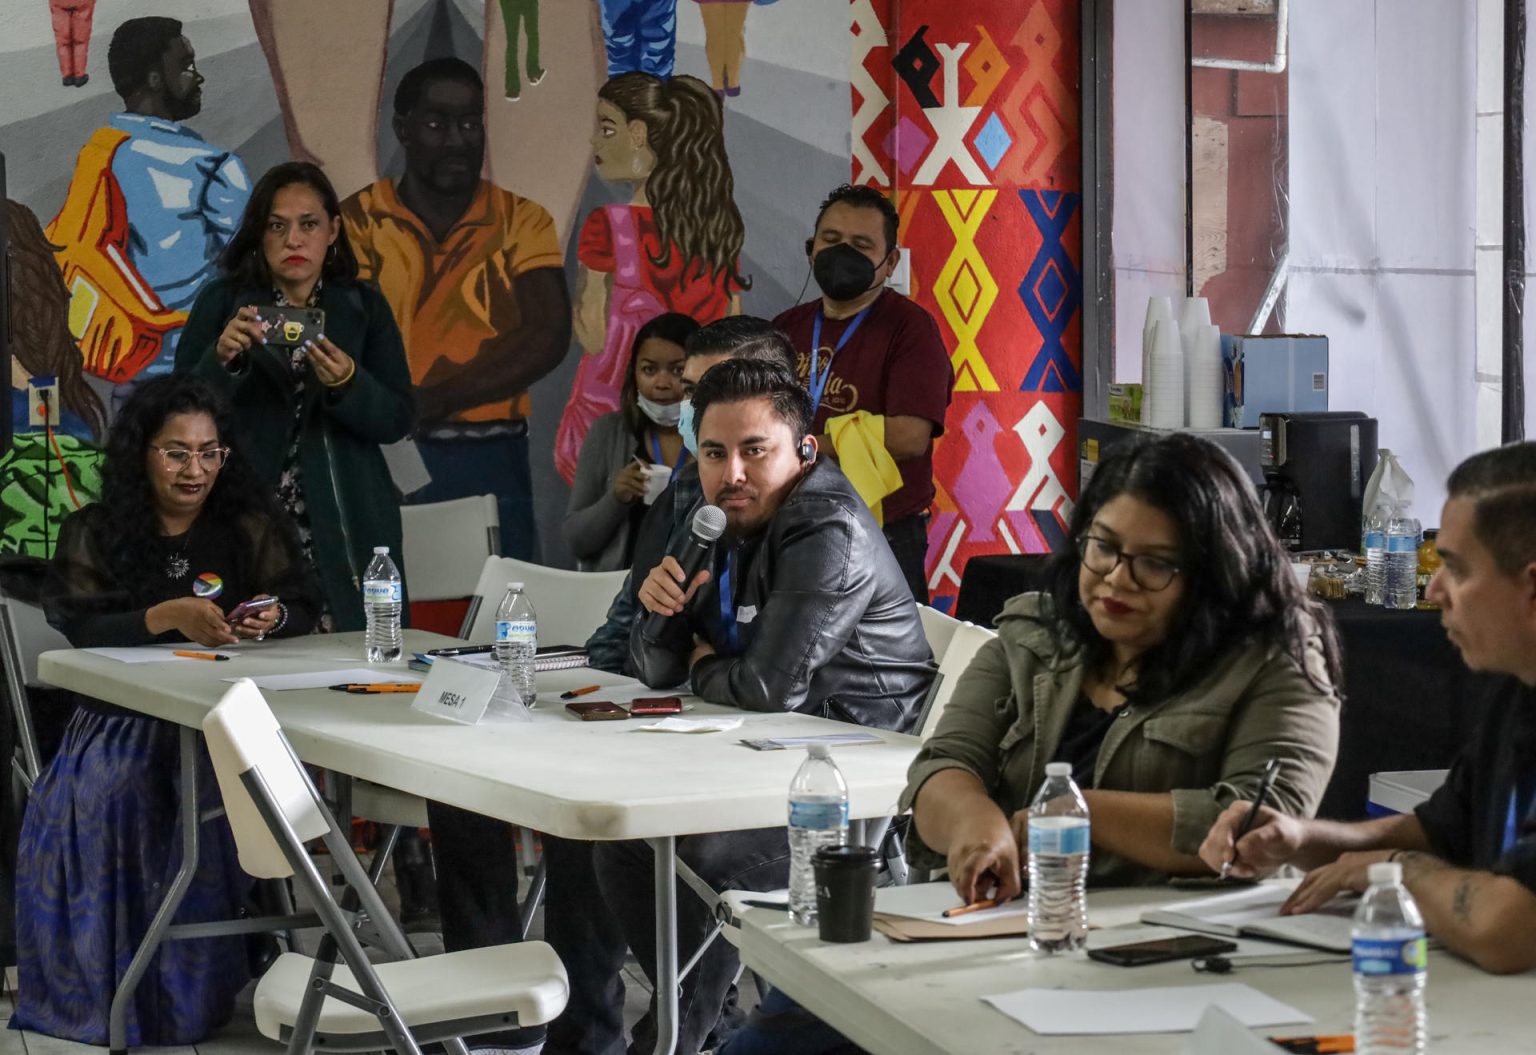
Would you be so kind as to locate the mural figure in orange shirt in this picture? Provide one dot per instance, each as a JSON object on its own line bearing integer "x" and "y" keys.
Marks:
{"x": 474, "y": 275}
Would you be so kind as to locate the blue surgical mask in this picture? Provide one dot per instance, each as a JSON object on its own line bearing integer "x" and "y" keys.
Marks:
{"x": 685, "y": 428}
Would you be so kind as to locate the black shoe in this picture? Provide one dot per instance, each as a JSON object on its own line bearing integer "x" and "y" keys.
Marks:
{"x": 69, "y": 82}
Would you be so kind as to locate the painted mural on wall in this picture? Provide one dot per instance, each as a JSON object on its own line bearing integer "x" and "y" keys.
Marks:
{"x": 965, "y": 113}
{"x": 150, "y": 207}
{"x": 641, "y": 36}
{"x": 674, "y": 246}
{"x": 46, "y": 473}
{"x": 978, "y": 144}
{"x": 72, "y": 37}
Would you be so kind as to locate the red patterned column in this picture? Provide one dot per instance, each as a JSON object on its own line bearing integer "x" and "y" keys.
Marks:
{"x": 969, "y": 113}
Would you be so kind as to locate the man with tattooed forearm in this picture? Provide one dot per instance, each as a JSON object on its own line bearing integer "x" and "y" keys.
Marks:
{"x": 1469, "y": 853}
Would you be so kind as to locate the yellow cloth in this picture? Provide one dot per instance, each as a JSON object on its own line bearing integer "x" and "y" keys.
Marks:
{"x": 859, "y": 439}
{"x": 450, "y": 296}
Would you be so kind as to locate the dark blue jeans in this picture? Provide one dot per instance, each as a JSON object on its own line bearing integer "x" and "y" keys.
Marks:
{"x": 640, "y": 35}
{"x": 496, "y": 465}
{"x": 620, "y": 909}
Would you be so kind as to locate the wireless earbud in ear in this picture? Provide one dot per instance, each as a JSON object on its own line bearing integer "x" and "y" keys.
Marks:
{"x": 807, "y": 451}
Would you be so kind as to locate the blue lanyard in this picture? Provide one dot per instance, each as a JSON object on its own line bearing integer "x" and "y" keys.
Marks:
{"x": 1513, "y": 820}
{"x": 656, "y": 458}
{"x": 728, "y": 607}
{"x": 818, "y": 379}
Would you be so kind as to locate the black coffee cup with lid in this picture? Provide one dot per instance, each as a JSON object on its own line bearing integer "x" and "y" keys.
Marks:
{"x": 845, "y": 892}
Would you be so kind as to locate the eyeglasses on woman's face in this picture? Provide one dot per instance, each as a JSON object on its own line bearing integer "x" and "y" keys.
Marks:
{"x": 178, "y": 459}
{"x": 1102, "y": 557}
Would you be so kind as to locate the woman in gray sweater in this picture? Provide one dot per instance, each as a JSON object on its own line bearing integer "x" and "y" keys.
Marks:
{"x": 608, "y": 495}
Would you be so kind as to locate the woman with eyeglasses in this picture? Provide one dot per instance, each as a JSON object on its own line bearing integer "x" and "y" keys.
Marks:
{"x": 1172, "y": 657}
{"x": 182, "y": 534}
{"x": 313, "y": 414}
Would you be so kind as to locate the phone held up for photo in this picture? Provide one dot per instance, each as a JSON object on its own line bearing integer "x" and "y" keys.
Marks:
{"x": 289, "y": 327}
{"x": 1162, "y": 950}
{"x": 245, "y": 608}
{"x": 646, "y": 705}
{"x": 597, "y": 710}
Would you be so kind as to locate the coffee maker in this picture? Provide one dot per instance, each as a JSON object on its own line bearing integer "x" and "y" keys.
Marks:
{"x": 1316, "y": 465}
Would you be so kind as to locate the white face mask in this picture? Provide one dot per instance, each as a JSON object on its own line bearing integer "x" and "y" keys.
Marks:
{"x": 664, "y": 414}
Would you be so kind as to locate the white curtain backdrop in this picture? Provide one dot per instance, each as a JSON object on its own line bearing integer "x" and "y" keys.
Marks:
{"x": 1383, "y": 232}
{"x": 1148, "y": 224}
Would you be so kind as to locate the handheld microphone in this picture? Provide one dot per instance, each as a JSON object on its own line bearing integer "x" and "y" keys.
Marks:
{"x": 692, "y": 554}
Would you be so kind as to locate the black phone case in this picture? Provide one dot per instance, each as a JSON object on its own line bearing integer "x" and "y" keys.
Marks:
{"x": 1128, "y": 956}
{"x": 289, "y": 327}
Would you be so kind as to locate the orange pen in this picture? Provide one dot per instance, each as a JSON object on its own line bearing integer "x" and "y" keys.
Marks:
{"x": 200, "y": 655}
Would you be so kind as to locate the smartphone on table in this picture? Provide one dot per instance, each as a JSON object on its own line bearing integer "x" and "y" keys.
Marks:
{"x": 1162, "y": 950}
{"x": 597, "y": 710}
{"x": 646, "y": 705}
{"x": 245, "y": 608}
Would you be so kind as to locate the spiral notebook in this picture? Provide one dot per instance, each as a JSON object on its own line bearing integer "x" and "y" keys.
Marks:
{"x": 1255, "y": 912}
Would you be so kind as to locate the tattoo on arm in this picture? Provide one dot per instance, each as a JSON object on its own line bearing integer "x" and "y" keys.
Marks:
{"x": 1461, "y": 905}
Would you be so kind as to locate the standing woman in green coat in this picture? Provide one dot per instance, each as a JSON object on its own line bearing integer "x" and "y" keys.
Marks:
{"x": 311, "y": 416}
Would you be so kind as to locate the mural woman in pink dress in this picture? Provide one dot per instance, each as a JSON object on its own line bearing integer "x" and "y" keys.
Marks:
{"x": 674, "y": 246}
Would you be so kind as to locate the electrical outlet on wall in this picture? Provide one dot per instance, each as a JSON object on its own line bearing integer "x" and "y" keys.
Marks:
{"x": 43, "y": 399}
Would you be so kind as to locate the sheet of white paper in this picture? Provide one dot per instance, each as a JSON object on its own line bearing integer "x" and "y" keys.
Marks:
{"x": 1170, "y": 1009}
{"x": 927, "y": 902}
{"x": 159, "y": 654}
{"x": 691, "y": 725}
{"x": 325, "y": 678}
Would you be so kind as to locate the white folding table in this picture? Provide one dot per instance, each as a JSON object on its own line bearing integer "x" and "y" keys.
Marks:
{"x": 578, "y": 780}
{"x": 924, "y": 998}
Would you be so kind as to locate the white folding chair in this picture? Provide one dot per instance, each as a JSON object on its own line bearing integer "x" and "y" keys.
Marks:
{"x": 963, "y": 646}
{"x": 938, "y": 627}
{"x": 24, "y": 635}
{"x": 355, "y": 1005}
{"x": 570, "y": 604}
{"x": 446, "y": 544}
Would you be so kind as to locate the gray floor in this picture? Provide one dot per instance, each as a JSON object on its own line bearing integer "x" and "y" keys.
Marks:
{"x": 240, "y": 1036}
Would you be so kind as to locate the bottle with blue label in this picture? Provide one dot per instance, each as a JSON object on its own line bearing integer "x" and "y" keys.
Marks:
{"x": 1390, "y": 962}
{"x": 1374, "y": 544}
{"x": 1403, "y": 538}
{"x": 818, "y": 816}
{"x": 517, "y": 640}
{"x": 381, "y": 606}
{"x": 1058, "y": 864}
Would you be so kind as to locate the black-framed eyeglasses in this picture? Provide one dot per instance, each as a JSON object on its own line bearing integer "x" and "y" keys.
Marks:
{"x": 1102, "y": 557}
{"x": 175, "y": 459}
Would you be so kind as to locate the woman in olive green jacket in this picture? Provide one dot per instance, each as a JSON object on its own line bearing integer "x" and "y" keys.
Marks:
{"x": 1172, "y": 658}
{"x": 311, "y": 416}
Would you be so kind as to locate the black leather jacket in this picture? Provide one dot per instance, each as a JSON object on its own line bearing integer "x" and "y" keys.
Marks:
{"x": 826, "y": 620}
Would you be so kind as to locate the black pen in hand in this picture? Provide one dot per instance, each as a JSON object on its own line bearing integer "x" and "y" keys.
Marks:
{"x": 1271, "y": 768}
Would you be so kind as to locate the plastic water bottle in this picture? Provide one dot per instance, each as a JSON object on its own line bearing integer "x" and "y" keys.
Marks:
{"x": 381, "y": 604}
{"x": 1390, "y": 959}
{"x": 1058, "y": 864}
{"x": 1375, "y": 541}
{"x": 517, "y": 639}
{"x": 1402, "y": 560}
{"x": 818, "y": 816}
